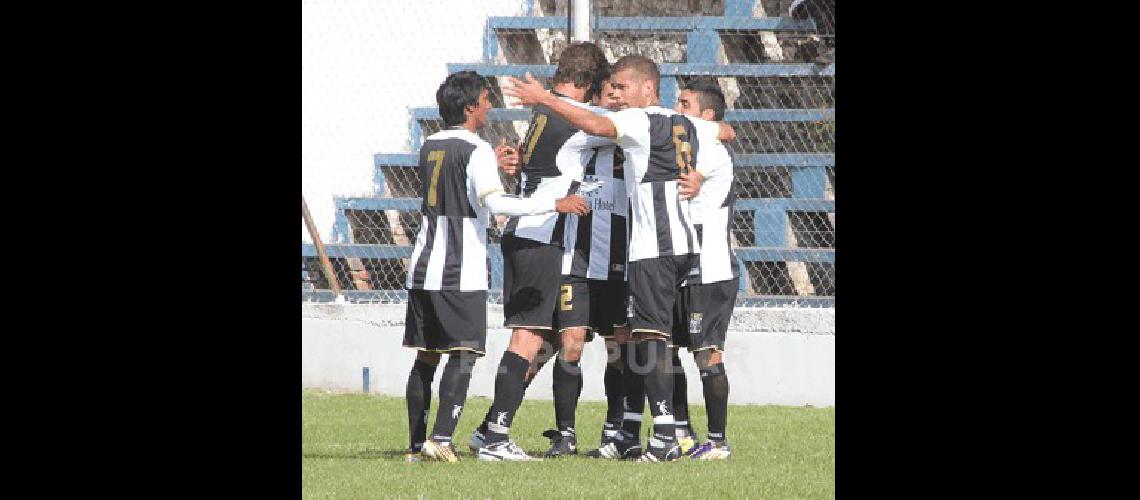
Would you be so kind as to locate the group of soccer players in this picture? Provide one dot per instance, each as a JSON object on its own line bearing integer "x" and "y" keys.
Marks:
{"x": 619, "y": 228}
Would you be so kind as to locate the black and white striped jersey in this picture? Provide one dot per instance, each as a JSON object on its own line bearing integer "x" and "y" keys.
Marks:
{"x": 712, "y": 212}
{"x": 553, "y": 158}
{"x": 461, "y": 188}
{"x": 658, "y": 143}
{"x": 595, "y": 245}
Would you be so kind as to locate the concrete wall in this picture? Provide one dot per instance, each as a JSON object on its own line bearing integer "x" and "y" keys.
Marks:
{"x": 773, "y": 356}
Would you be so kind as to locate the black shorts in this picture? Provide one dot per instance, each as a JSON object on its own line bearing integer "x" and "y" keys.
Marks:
{"x": 598, "y": 305}
{"x": 701, "y": 315}
{"x": 653, "y": 288}
{"x": 532, "y": 281}
{"x": 446, "y": 320}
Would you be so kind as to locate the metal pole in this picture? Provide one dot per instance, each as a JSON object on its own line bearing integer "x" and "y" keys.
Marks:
{"x": 326, "y": 266}
{"x": 580, "y": 20}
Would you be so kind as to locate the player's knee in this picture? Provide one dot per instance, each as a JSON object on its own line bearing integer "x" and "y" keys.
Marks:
{"x": 525, "y": 343}
{"x": 431, "y": 358}
{"x": 707, "y": 358}
{"x": 613, "y": 354}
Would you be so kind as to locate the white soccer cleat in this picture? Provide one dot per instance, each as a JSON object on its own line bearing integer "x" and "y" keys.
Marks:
{"x": 712, "y": 450}
{"x": 504, "y": 451}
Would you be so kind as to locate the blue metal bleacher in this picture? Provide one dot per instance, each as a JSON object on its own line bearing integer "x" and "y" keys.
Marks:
{"x": 770, "y": 216}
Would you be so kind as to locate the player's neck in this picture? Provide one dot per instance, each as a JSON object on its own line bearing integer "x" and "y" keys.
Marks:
{"x": 469, "y": 125}
{"x": 569, "y": 90}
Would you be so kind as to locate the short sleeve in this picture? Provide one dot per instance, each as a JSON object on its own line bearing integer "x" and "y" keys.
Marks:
{"x": 483, "y": 170}
{"x": 632, "y": 126}
{"x": 707, "y": 133}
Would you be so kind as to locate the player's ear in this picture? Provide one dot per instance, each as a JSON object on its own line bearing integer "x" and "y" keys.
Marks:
{"x": 709, "y": 115}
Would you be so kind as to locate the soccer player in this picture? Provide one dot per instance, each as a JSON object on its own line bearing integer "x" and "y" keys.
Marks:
{"x": 593, "y": 289}
{"x": 659, "y": 144}
{"x": 553, "y": 157}
{"x": 447, "y": 275}
{"x": 708, "y": 294}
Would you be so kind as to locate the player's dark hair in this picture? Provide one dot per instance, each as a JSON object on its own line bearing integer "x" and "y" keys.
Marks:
{"x": 582, "y": 63}
{"x": 710, "y": 96}
{"x": 457, "y": 92}
{"x": 643, "y": 66}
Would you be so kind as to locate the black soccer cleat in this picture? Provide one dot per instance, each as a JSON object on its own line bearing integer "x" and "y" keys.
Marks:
{"x": 669, "y": 453}
{"x": 560, "y": 445}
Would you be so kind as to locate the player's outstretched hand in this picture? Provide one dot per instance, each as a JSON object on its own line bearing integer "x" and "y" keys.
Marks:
{"x": 573, "y": 204}
{"x": 508, "y": 157}
{"x": 689, "y": 184}
{"x": 527, "y": 92}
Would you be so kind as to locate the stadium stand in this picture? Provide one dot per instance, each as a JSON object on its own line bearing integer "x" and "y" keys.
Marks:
{"x": 779, "y": 81}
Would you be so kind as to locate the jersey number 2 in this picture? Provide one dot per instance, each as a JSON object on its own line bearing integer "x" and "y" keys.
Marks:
{"x": 437, "y": 157}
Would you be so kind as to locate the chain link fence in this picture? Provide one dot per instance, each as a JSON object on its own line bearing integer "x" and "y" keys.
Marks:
{"x": 370, "y": 70}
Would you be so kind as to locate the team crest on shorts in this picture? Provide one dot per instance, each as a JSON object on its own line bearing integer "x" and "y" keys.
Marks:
{"x": 695, "y": 322}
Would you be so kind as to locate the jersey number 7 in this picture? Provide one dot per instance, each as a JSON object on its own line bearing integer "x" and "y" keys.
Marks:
{"x": 437, "y": 157}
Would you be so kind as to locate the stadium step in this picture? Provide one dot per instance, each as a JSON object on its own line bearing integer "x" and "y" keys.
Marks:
{"x": 666, "y": 69}
{"x": 744, "y": 255}
{"x": 808, "y": 171}
{"x": 670, "y": 72}
{"x": 427, "y": 120}
{"x": 770, "y": 219}
{"x": 703, "y": 34}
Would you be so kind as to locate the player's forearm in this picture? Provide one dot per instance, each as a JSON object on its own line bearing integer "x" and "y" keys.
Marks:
{"x": 581, "y": 118}
{"x": 501, "y": 204}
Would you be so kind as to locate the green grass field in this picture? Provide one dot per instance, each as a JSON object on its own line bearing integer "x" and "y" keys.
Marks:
{"x": 352, "y": 447}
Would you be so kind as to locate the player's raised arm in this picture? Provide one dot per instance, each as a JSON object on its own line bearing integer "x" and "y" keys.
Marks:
{"x": 530, "y": 92}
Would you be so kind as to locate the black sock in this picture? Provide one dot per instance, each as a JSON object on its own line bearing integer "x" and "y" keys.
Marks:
{"x": 487, "y": 417}
{"x": 716, "y": 400}
{"x": 633, "y": 383}
{"x": 567, "y": 387}
{"x": 659, "y": 390}
{"x": 452, "y": 395}
{"x": 418, "y": 397}
{"x": 680, "y": 398}
{"x": 509, "y": 388}
{"x": 614, "y": 393}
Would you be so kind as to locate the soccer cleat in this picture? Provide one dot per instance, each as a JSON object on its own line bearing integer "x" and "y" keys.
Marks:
{"x": 412, "y": 456}
{"x": 598, "y": 452}
{"x": 622, "y": 446}
{"x": 654, "y": 454}
{"x": 712, "y": 450}
{"x": 476, "y": 441}
{"x": 505, "y": 451}
{"x": 560, "y": 445}
{"x": 435, "y": 451}
{"x": 687, "y": 444}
